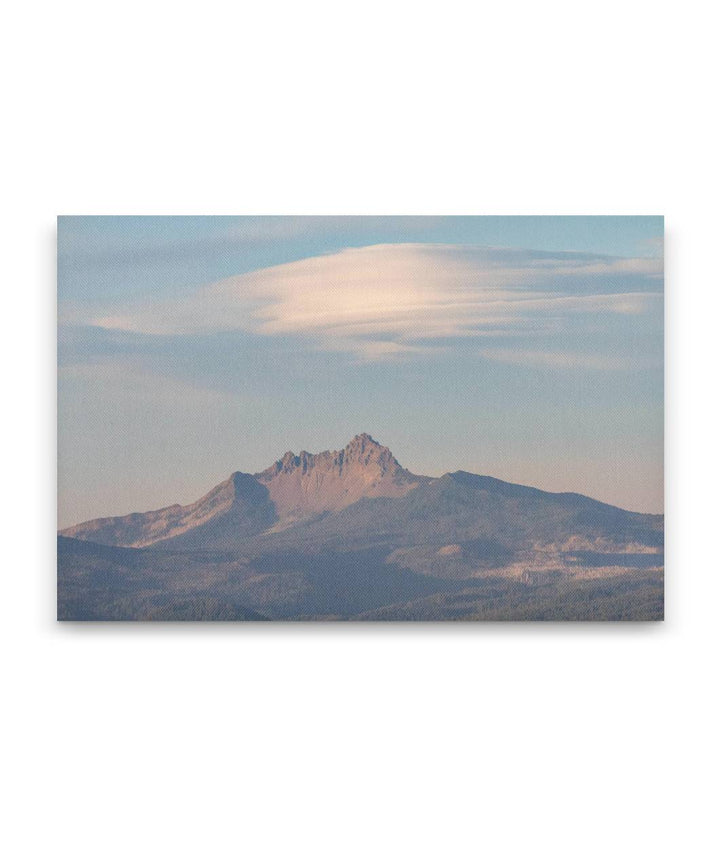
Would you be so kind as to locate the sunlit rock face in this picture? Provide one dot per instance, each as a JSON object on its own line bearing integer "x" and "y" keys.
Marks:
{"x": 305, "y": 485}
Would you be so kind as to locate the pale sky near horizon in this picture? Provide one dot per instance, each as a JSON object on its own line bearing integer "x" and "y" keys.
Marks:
{"x": 527, "y": 348}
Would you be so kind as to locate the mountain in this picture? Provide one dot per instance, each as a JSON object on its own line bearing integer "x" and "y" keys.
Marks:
{"x": 294, "y": 488}
{"x": 351, "y": 533}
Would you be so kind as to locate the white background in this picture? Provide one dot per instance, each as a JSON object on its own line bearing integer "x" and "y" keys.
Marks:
{"x": 354, "y": 739}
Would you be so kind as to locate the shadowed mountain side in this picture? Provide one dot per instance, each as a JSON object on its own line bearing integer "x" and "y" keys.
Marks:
{"x": 489, "y": 514}
{"x": 236, "y": 508}
{"x": 251, "y": 512}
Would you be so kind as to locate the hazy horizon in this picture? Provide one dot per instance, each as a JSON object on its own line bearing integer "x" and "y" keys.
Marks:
{"x": 529, "y": 349}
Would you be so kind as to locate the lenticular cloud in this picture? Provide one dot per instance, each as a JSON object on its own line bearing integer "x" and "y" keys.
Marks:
{"x": 387, "y": 300}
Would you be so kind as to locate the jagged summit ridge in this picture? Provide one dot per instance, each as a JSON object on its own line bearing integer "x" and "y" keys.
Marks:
{"x": 307, "y": 484}
{"x": 362, "y": 451}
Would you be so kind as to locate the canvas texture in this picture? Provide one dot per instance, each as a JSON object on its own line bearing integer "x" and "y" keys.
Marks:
{"x": 360, "y": 418}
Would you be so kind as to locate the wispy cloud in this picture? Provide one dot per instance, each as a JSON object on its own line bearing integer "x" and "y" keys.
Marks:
{"x": 566, "y": 360}
{"x": 388, "y": 301}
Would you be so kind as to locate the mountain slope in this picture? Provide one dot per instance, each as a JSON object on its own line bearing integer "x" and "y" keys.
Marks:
{"x": 457, "y": 526}
{"x": 464, "y": 507}
{"x": 236, "y": 508}
{"x": 352, "y": 534}
{"x": 296, "y": 487}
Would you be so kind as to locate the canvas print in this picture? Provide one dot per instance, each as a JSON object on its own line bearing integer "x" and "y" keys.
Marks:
{"x": 360, "y": 418}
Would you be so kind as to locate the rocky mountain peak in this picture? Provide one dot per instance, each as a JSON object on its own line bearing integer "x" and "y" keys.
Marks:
{"x": 306, "y": 483}
{"x": 362, "y": 451}
{"x": 362, "y": 441}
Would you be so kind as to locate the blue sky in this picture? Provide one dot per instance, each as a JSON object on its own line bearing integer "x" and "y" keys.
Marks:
{"x": 529, "y": 348}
